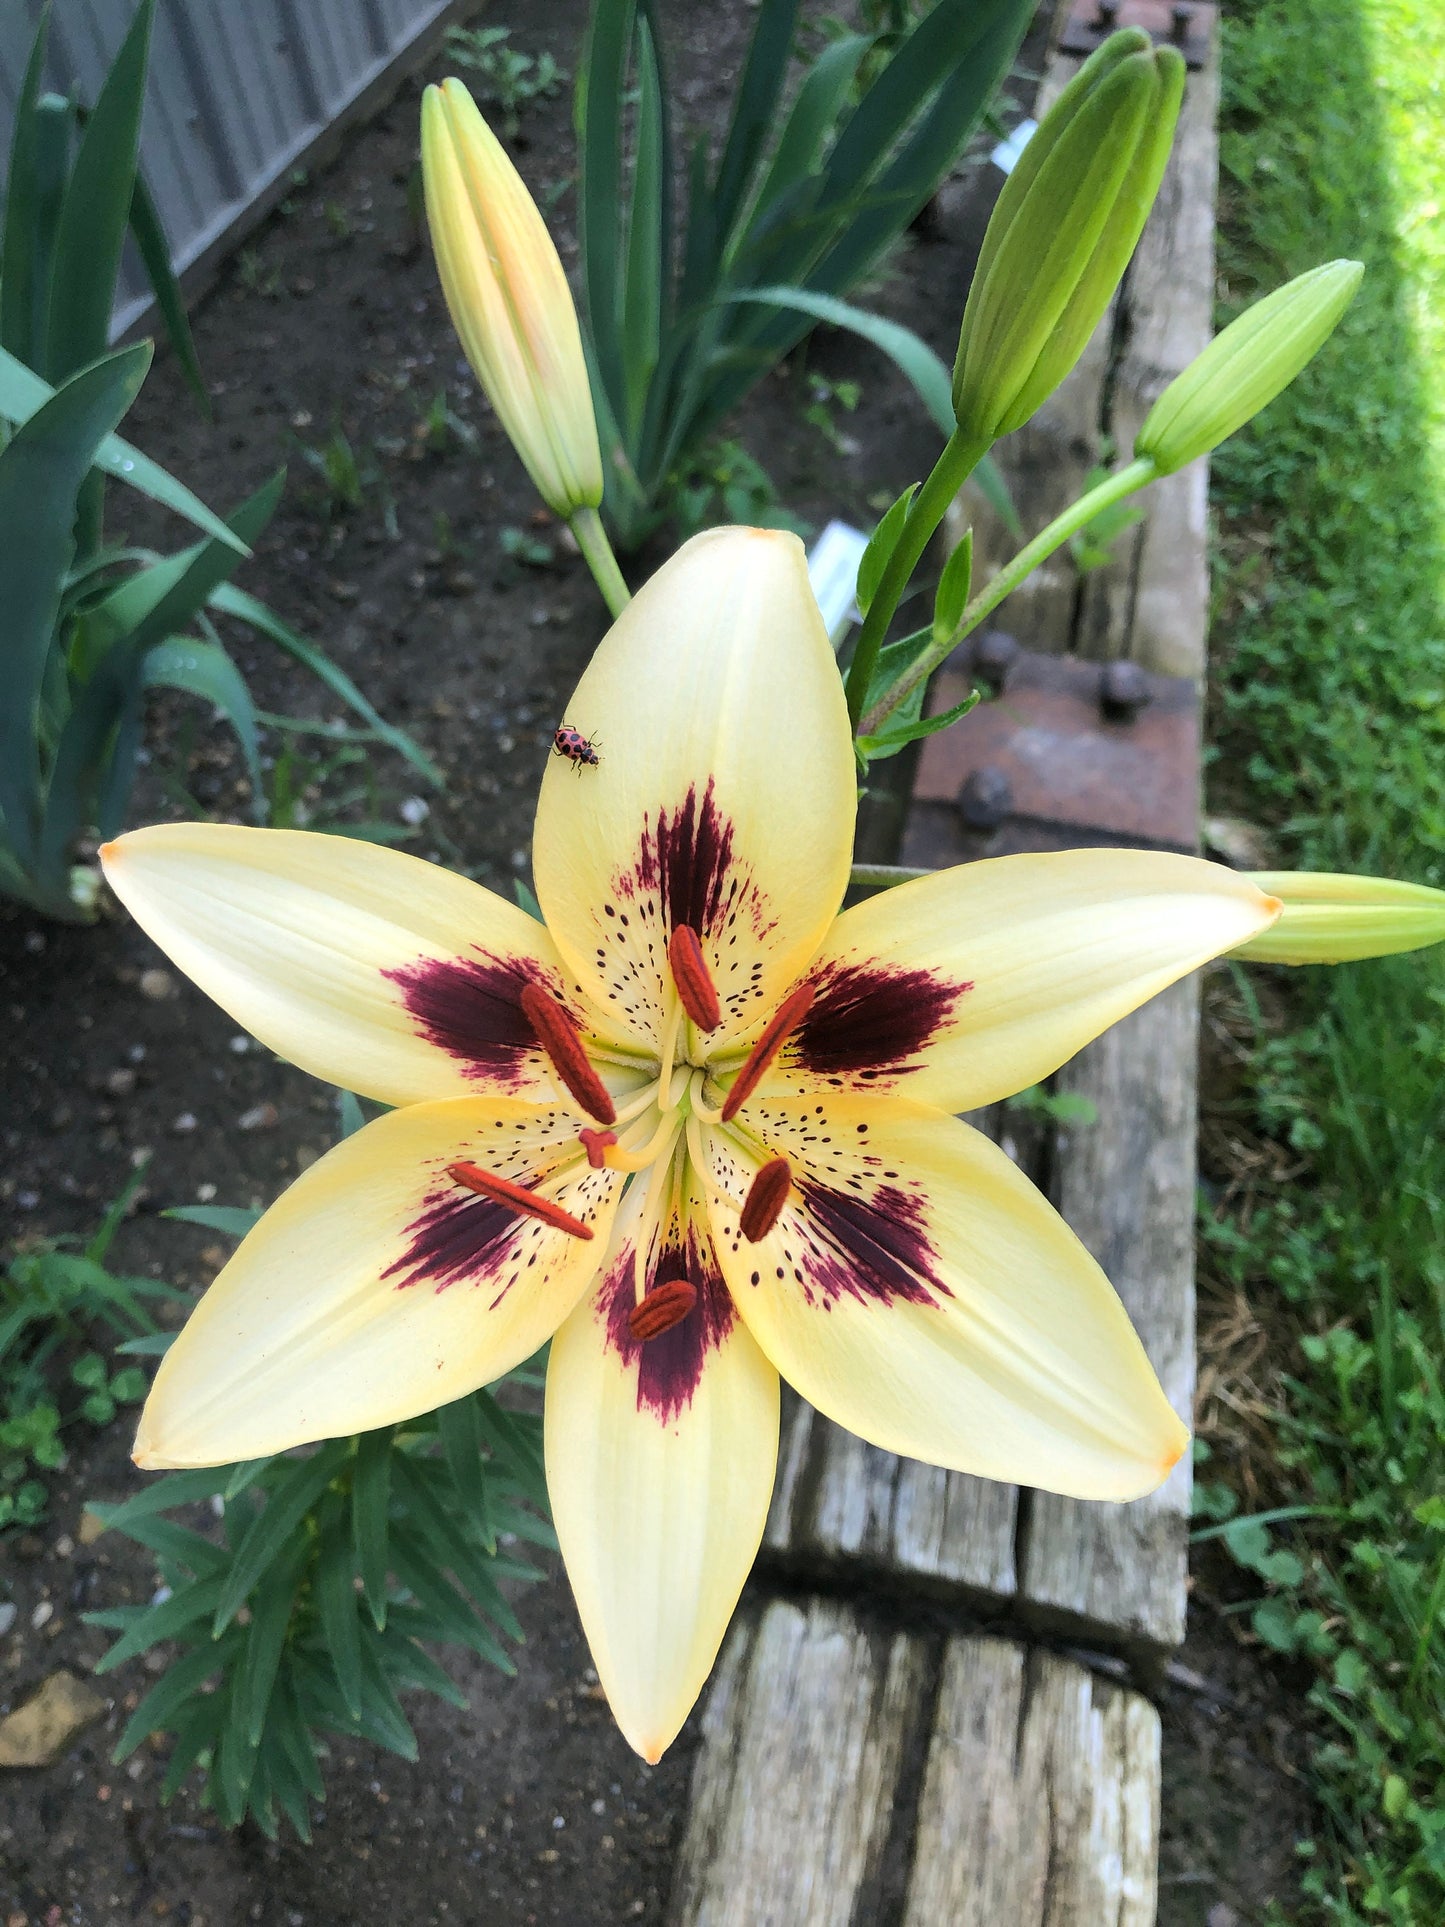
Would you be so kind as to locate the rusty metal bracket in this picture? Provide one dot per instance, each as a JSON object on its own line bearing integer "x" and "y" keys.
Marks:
{"x": 1185, "y": 24}
{"x": 1067, "y": 752}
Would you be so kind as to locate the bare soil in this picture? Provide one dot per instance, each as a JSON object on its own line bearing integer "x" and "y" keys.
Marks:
{"x": 528, "y": 1807}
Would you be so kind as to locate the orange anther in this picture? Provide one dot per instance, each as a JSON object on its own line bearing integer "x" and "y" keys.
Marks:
{"x": 562, "y": 1041}
{"x": 767, "y": 1194}
{"x": 785, "y": 1020}
{"x": 693, "y": 979}
{"x": 518, "y": 1198}
{"x": 663, "y": 1307}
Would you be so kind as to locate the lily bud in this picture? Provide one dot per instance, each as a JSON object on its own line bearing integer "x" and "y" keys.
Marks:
{"x": 1063, "y": 230}
{"x": 509, "y": 299}
{"x": 1337, "y": 919}
{"x": 1245, "y": 367}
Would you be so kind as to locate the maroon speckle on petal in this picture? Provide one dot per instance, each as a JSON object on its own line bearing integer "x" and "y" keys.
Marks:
{"x": 874, "y": 1249}
{"x": 470, "y": 1007}
{"x": 457, "y": 1236}
{"x": 868, "y": 1020}
{"x": 687, "y": 859}
{"x": 669, "y": 1367}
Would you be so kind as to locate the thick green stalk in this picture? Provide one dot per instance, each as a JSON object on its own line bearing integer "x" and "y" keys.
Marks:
{"x": 597, "y": 550}
{"x": 952, "y": 469}
{"x": 882, "y": 876}
{"x": 1134, "y": 476}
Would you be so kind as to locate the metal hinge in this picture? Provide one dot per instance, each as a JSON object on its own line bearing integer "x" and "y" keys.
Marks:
{"x": 1067, "y": 752}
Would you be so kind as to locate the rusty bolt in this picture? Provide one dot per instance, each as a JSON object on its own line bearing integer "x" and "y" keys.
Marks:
{"x": 1107, "y": 16}
{"x": 1181, "y": 19}
{"x": 1123, "y": 691}
{"x": 986, "y": 798}
{"x": 994, "y": 654}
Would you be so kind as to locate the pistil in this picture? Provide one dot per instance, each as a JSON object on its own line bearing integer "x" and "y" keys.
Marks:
{"x": 518, "y": 1198}
{"x": 694, "y": 981}
{"x": 562, "y": 1041}
{"x": 784, "y": 1021}
{"x": 596, "y": 1145}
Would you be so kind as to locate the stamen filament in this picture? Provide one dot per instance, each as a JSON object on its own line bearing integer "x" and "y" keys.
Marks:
{"x": 562, "y": 1041}
{"x": 695, "y": 988}
{"x": 658, "y": 1198}
{"x": 525, "y": 1203}
{"x": 667, "y": 1050}
{"x": 784, "y": 1021}
{"x": 698, "y": 1105}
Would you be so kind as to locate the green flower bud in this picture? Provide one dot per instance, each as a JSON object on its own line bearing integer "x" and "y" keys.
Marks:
{"x": 1063, "y": 230}
{"x": 1243, "y": 369}
{"x": 1338, "y": 919}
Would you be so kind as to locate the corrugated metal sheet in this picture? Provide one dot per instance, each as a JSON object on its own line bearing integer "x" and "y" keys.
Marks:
{"x": 238, "y": 90}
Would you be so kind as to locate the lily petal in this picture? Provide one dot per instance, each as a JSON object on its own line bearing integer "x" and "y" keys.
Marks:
{"x": 660, "y": 1465}
{"x": 920, "y": 1291}
{"x": 724, "y": 793}
{"x": 378, "y": 1286}
{"x": 964, "y": 987}
{"x": 369, "y": 968}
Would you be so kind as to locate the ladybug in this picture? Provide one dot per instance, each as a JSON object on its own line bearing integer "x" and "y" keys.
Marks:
{"x": 577, "y": 748}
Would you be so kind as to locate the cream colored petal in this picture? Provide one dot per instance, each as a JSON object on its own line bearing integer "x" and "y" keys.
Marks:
{"x": 919, "y": 1290}
{"x": 660, "y": 1464}
{"x": 372, "y": 969}
{"x": 378, "y": 1287}
{"x": 963, "y": 987}
{"x": 724, "y": 793}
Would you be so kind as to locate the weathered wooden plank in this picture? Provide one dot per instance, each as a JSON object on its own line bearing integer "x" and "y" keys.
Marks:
{"x": 1126, "y": 1185}
{"x": 793, "y": 1792}
{"x": 1040, "y": 1801}
{"x": 838, "y": 1501}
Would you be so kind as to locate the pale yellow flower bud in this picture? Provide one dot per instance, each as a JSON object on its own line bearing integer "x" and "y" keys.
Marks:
{"x": 509, "y": 299}
{"x": 1245, "y": 367}
{"x": 1337, "y": 919}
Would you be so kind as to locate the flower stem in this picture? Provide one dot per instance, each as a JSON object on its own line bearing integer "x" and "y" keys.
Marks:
{"x": 1135, "y": 475}
{"x": 882, "y": 876}
{"x": 950, "y": 472}
{"x": 597, "y": 550}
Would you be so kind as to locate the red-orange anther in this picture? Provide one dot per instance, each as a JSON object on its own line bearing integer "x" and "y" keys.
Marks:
{"x": 518, "y": 1198}
{"x": 595, "y": 1144}
{"x": 693, "y": 979}
{"x": 785, "y": 1020}
{"x": 663, "y": 1307}
{"x": 767, "y": 1194}
{"x": 562, "y": 1041}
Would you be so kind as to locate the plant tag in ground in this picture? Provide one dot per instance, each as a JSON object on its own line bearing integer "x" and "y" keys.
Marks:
{"x": 1005, "y": 156}
{"x": 833, "y": 572}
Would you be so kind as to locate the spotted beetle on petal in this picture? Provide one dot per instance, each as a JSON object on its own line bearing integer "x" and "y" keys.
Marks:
{"x": 577, "y": 748}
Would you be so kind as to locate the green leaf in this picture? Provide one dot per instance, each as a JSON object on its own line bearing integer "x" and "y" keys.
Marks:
{"x": 336, "y": 1596}
{"x": 645, "y": 243}
{"x": 407, "y": 1665}
{"x": 754, "y": 109}
{"x": 155, "y": 253}
{"x": 243, "y": 1475}
{"x": 951, "y": 598}
{"x": 508, "y": 1437}
{"x": 173, "y": 1693}
{"x": 23, "y": 393}
{"x": 382, "y": 1717}
{"x": 204, "y": 669}
{"x": 450, "y": 1550}
{"x": 287, "y": 1504}
{"x": 272, "y": 1605}
{"x": 232, "y": 1220}
{"x": 128, "y": 1386}
{"x": 527, "y": 901}
{"x": 910, "y": 353}
{"x": 813, "y": 115}
{"x": 89, "y": 1370}
{"x": 96, "y": 211}
{"x": 898, "y": 734}
{"x": 178, "y": 1547}
{"x": 228, "y": 600}
{"x": 460, "y": 1431}
{"x": 24, "y": 250}
{"x": 184, "y": 1609}
{"x": 597, "y": 109}
{"x": 149, "y": 1345}
{"x": 450, "y": 1611}
{"x": 162, "y": 1495}
{"x": 41, "y": 470}
{"x": 350, "y": 1117}
{"x": 370, "y": 1504}
{"x": 881, "y": 544}
{"x": 195, "y": 1733}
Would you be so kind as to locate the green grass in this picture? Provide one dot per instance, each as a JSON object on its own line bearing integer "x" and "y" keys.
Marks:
{"x": 1330, "y": 724}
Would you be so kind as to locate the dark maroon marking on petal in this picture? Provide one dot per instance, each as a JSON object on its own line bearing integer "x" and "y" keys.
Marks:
{"x": 873, "y": 1249}
{"x": 470, "y": 1007}
{"x": 868, "y": 1019}
{"x": 456, "y": 1236}
{"x": 687, "y": 859}
{"x": 669, "y": 1366}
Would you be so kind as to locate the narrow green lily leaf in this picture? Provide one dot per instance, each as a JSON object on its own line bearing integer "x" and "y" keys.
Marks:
{"x": 754, "y": 107}
{"x": 888, "y": 742}
{"x": 451, "y": 1550}
{"x": 155, "y": 253}
{"x": 597, "y": 111}
{"x": 232, "y": 1220}
{"x": 336, "y": 1596}
{"x": 349, "y": 1115}
{"x": 183, "y": 1609}
{"x": 22, "y": 392}
{"x": 41, "y": 471}
{"x": 643, "y": 254}
{"x": 271, "y": 1531}
{"x": 505, "y": 1432}
{"x": 172, "y": 1694}
{"x": 881, "y": 544}
{"x": 951, "y": 598}
{"x": 382, "y": 1718}
{"x": 204, "y": 669}
{"x": 408, "y": 1665}
{"x": 461, "y": 1437}
{"x": 813, "y": 116}
{"x": 910, "y": 354}
{"x": 196, "y": 1732}
{"x": 163, "y": 1494}
{"x": 22, "y": 257}
{"x": 96, "y": 210}
{"x": 370, "y": 1505}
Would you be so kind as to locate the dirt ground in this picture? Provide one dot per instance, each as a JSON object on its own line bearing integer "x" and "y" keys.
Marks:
{"x": 528, "y": 1807}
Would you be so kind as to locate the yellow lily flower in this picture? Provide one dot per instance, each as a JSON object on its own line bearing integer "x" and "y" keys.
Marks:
{"x": 509, "y": 299}
{"x": 697, "y": 1129}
